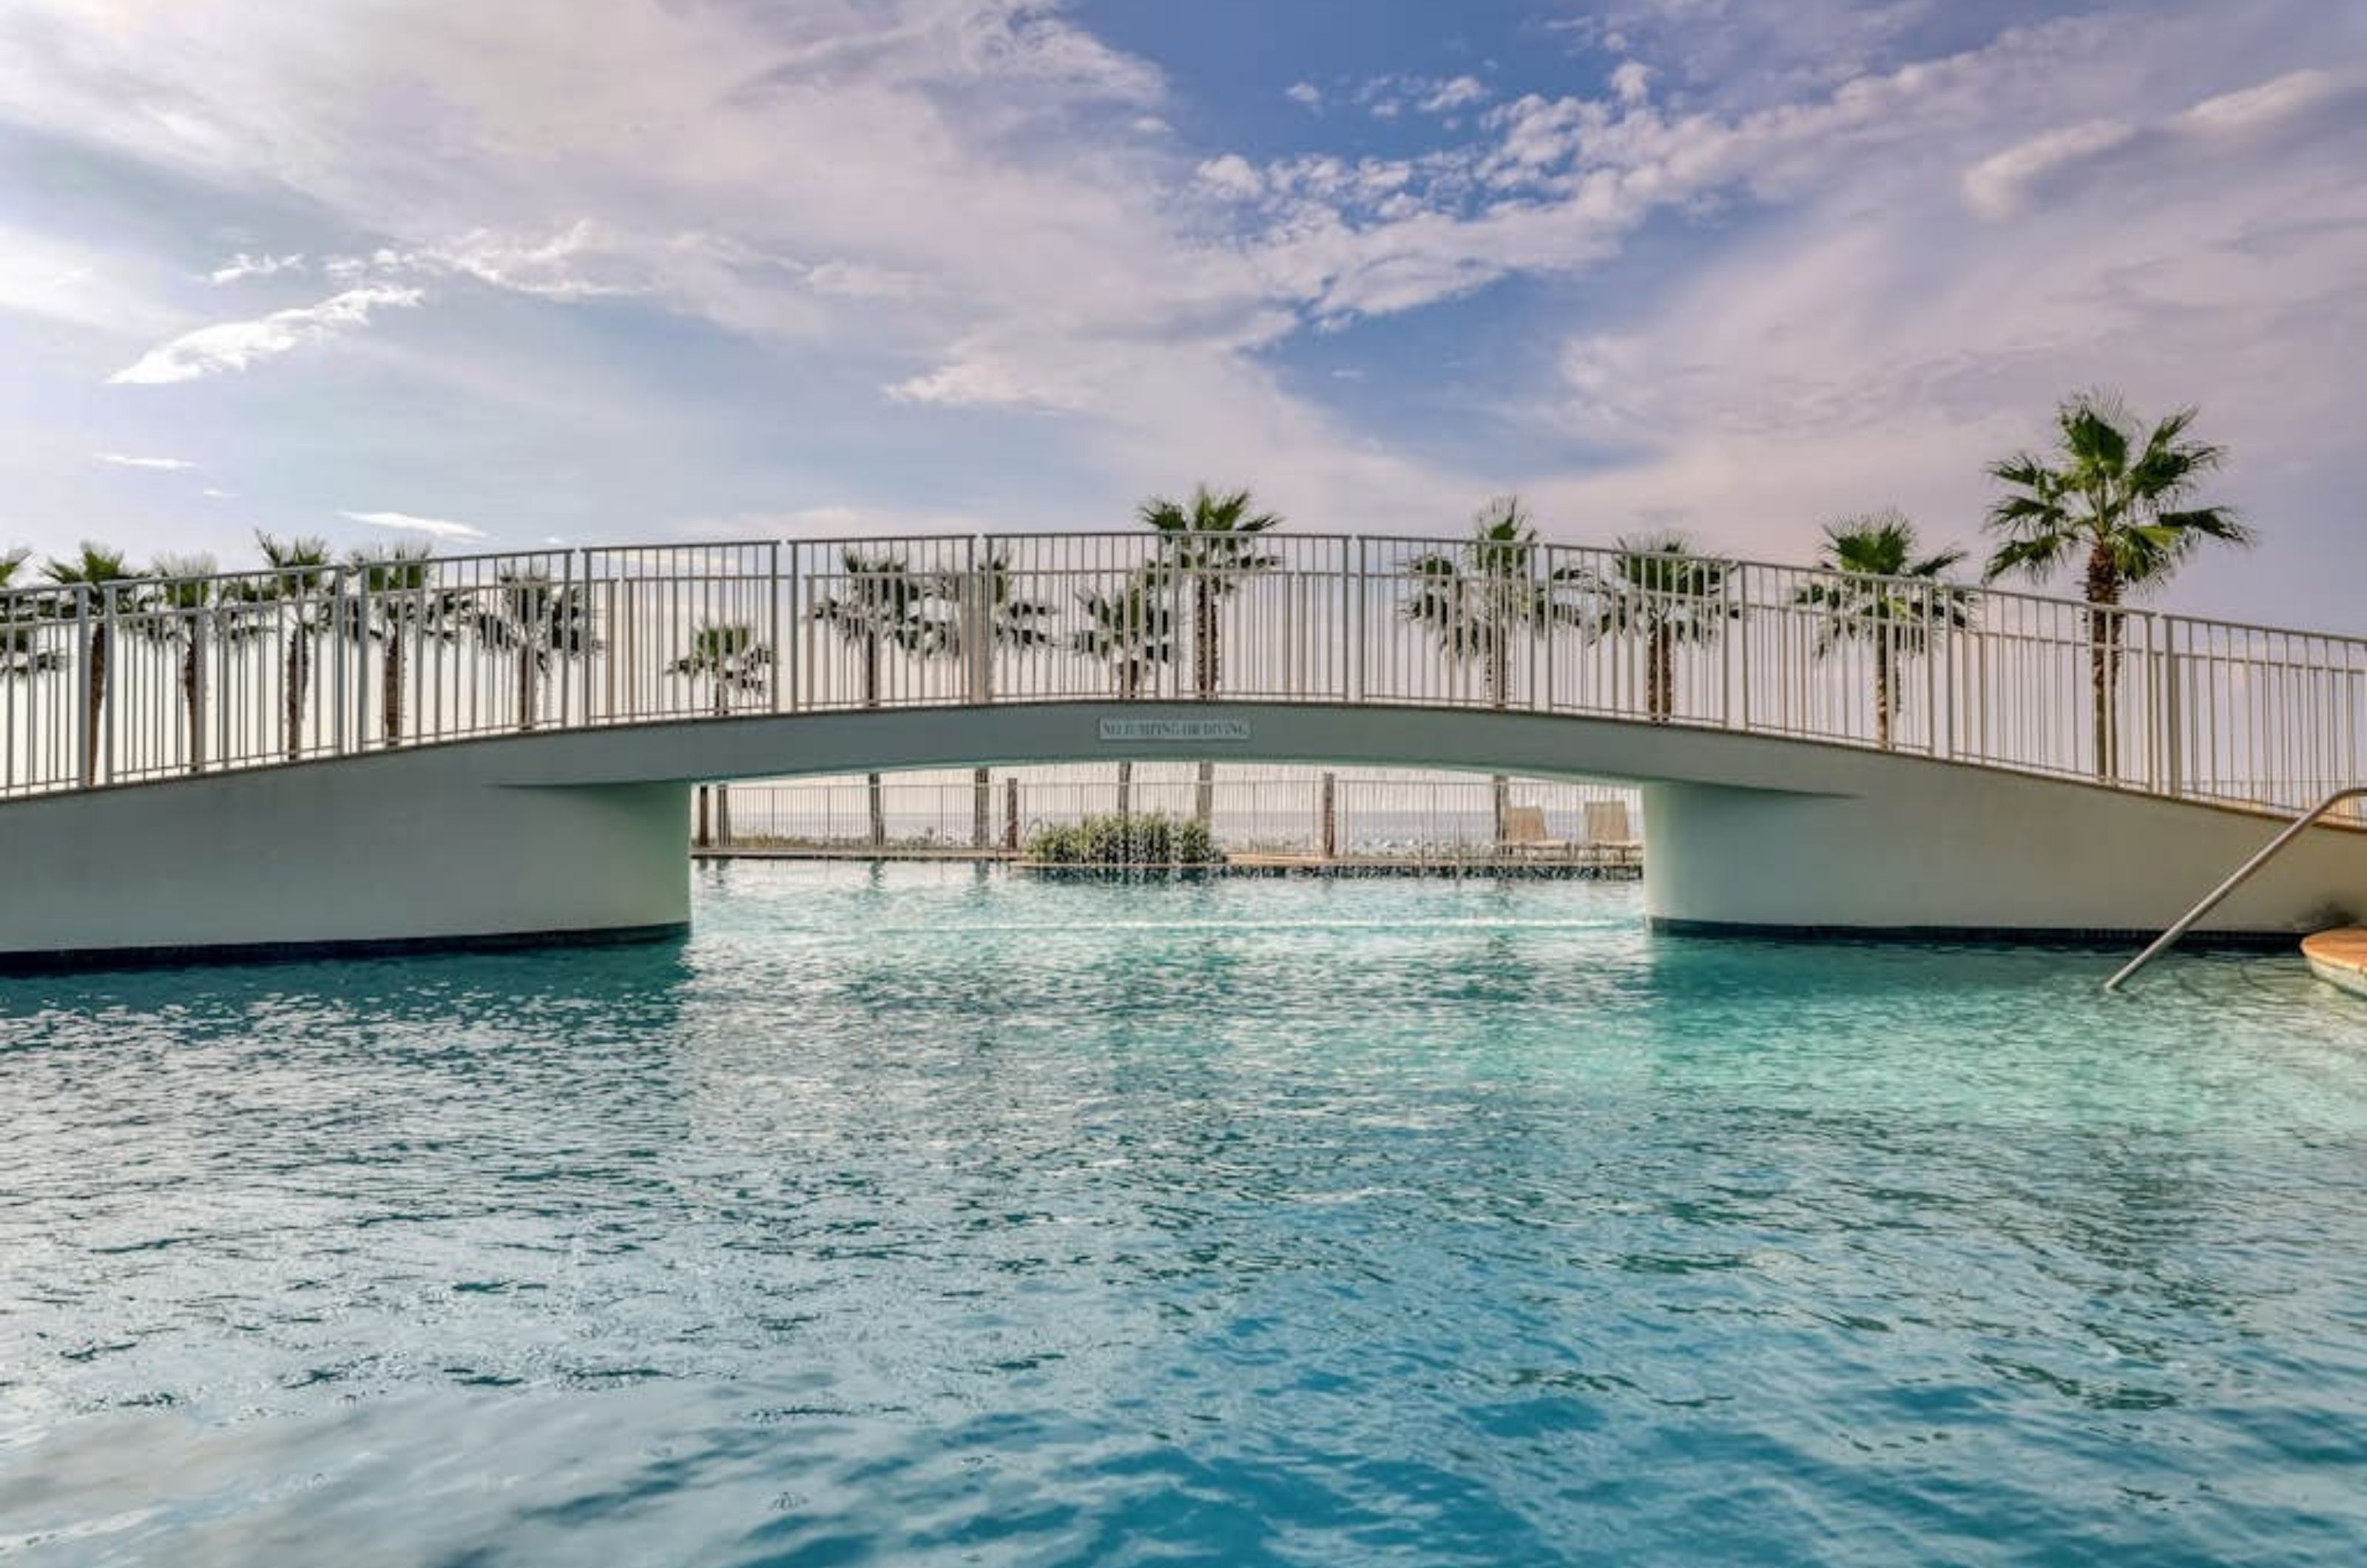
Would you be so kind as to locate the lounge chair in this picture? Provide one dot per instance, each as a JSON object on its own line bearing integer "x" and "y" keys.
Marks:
{"x": 1609, "y": 831}
{"x": 1524, "y": 833}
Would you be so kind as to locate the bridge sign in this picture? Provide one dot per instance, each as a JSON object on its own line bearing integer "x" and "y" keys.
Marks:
{"x": 1176, "y": 732}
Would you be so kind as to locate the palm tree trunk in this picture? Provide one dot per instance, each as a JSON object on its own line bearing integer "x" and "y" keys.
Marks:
{"x": 2105, "y": 657}
{"x": 1882, "y": 687}
{"x": 1206, "y": 672}
{"x": 528, "y": 685}
{"x": 390, "y": 686}
{"x": 874, "y": 792}
{"x": 1206, "y": 665}
{"x": 1661, "y": 673}
{"x": 190, "y": 705}
{"x": 299, "y": 685}
{"x": 1496, "y": 677}
{"x": 96, "y": 715}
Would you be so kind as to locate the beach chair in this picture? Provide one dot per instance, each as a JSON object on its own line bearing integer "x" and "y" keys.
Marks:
{"x": 1524, "y": 833}
{"x": 1609, "y": 831}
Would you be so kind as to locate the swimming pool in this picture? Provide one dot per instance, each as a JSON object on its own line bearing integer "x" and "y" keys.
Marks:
{"x": 921, "y": 1216}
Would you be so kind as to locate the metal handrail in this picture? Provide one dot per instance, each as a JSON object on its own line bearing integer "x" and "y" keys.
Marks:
{"x": 134, "y": 680}
{"x": 2243, "y": 874}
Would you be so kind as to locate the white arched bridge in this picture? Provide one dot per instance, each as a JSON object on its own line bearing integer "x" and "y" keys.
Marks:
{"x": 499, "y": 748}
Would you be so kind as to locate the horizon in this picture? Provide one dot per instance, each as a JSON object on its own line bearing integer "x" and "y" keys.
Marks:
{"x": 895, "y": 267}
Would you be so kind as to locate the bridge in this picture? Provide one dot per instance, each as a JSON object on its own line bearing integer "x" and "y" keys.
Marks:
{"x": 499, "y": 748}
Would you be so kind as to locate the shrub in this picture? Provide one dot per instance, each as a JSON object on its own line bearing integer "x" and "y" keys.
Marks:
{"x": 1113, "y": 840}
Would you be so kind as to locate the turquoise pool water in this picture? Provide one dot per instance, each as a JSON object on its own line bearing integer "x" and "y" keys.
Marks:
{"x": 921, "y": 1216}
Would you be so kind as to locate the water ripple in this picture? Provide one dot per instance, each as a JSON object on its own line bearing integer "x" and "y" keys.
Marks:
{"x": 916, "y": 1217}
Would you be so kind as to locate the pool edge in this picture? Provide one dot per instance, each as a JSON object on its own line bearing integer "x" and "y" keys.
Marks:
{"x": 87, "y": 960}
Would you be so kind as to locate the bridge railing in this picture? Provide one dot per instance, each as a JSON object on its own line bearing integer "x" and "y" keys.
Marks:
{"x": 154, "y": 679}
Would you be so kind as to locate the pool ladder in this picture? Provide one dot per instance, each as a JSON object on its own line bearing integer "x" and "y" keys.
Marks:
{"x": 2243, "y": 874}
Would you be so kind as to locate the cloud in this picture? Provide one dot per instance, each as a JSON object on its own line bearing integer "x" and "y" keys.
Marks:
{"x": 834, "y": 520}
{"x": 123, "y": 460}
{"x": 244, "y": 266}
{"x": 235, "y": 346}
{"x": 584, "y": 261}
{"x": 964, "y": 208}
{"x": 2159, "y": 150}
{"x": 436, "y": 527}
{"x": 1460, "y": 93}
{"x": 2271, "y": 104}
{"x": 1232, "y": 175}
{"x": 1997, "y": 186}
{"x": 212, "y": 494}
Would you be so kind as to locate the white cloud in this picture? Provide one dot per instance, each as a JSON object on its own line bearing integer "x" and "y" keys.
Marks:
{"x": 838, "y": 520}
{"x": 2271, "y": 103}
{"x": 1460, "y": 93}
{"x": 235, "y": 346}
{"x": 212, "y": 494}
{"x": 243, "y": 266}
{"x": 975, "y": 205}
{"x": 855, "y": 281}
{"x": 403, "y": 521}
{"x": 124, "y": 460}
{"x": 2165, "y": 151}
{"x": 1997, "y": 186}
{"x": 1232, "y": 175}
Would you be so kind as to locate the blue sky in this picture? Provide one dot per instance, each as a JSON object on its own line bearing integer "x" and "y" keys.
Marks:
{"x": 501, "y": 274}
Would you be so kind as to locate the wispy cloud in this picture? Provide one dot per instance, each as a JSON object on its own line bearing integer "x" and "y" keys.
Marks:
{"x": 1997, "y": 186}
{"x": 212, "y": 494}
{"x": 403, "y": 521}
{"x": 126, "y": 460}
{"x": 235, "y": 346}
{"x": 1459, "y": 93}
{"x": 243, "y": 266}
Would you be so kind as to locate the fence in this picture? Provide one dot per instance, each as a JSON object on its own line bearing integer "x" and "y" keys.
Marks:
{"x": 1348, "y": 814}
{"x": 150, "y": 679}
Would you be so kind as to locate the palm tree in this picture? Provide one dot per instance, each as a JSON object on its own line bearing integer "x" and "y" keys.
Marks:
{"x": 1008, "y": 621}
{"x": 1885, "y": 595}
{"x": 539, "y": 622}
{"x": 2117, "y": 501}
{"x": 291, "y": 597}
{"x": 397, "y": 585}
{"x": 21, "y": 654}
{"x": 727, "y": 655}
{"x": 1132, "y": 630}
{"x": 1659, "y": 590}
{"x": 93, "y": 569}
{"x": 180, "y": 607}
{"x": 1209, "y": 543}
{"x": 884, "y": 605}
{"x": 1479, "y": 598}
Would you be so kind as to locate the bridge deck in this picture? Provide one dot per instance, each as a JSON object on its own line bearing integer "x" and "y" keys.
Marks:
{"x": 163, "y": 680}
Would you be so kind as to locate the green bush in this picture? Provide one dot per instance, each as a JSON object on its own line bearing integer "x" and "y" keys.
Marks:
{"x": 1115, "y": 840}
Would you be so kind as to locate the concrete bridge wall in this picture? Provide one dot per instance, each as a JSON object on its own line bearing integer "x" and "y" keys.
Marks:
{"x": 579, "y": 833}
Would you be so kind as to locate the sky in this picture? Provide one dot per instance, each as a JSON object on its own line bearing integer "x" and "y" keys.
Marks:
{"x": 498, "y": 275}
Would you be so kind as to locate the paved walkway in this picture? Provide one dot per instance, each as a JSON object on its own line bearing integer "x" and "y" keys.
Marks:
{"x": 1607, "y": 866}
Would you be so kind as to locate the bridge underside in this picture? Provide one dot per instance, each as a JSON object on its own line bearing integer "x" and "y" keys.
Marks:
{"x": 580, "y": 835}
